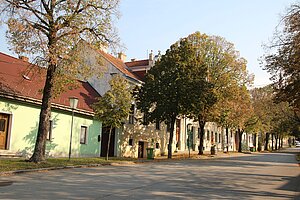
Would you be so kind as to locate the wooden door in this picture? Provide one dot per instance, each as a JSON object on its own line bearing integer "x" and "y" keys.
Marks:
{"x": 177, "y": 130}
{"x": 4, "y": 119}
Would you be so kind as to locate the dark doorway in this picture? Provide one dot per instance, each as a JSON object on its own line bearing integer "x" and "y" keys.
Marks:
{"x": 104, "y": 142}
{"x": 141, "y": 150}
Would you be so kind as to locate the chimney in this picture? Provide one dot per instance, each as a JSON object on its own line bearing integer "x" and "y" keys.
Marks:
{"x": 151, "y": 55}
{"x": 122, "y": 56}
{"x": 133, "y": 59}
{"x": 23, "y": 58}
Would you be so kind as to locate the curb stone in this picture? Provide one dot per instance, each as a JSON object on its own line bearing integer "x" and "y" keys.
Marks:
{"x": 14, "y": 172}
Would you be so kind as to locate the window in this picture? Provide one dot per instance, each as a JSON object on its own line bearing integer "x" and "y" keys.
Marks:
{"x": 207, "y": 134}
{"x": 157, "y": 145}
{"x": 157, "y": 125}
{"x": 130, "y": 142}
{"x": 231, "y": 134}
{"x": 49, "y": 134}
{"x": 219, "y": 137}
{"x": 83, "y": 135}
{"x": 2, "y": 124}
{"x": 131, "y": 115}
{"x": 216, "y": 137}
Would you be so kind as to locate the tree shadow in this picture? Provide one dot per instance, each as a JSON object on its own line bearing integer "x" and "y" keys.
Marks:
{"x": 144, "y": 133}
{"x": 293, "y": 184}
{"x": 30, "y": 139}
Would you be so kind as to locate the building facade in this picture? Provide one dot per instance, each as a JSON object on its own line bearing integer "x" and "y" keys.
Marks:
{"x": 20, "y": 103}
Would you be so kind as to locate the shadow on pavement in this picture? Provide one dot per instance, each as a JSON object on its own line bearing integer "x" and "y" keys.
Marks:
{"x": 292, "y": 185}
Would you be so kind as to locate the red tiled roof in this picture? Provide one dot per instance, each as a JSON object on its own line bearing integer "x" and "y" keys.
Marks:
{"x": 22, "y": 79}
{"x": 137, "y": 63}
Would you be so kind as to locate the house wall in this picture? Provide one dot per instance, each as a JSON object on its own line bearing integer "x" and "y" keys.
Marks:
{"x": 211, "y": 130}
{"x": 102, "y": 84}
{"x": 142, "y": 133}
{"x": 24, "y": 126}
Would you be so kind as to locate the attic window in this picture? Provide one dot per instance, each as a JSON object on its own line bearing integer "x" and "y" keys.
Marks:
{"x": 25, "y": 77}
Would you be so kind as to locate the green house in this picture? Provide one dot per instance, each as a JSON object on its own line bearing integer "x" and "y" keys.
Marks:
{"x": 20, "y": 100}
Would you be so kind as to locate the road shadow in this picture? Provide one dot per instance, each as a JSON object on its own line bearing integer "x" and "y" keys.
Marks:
{"x": 293, "y": 184}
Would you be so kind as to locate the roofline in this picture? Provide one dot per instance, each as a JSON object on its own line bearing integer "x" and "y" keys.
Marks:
{"x": 135, "y": 79}
{"x": 39, "y": 102}
{"x": 137, "y": 61}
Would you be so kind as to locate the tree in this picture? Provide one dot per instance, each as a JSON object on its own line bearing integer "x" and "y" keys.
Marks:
{"x": 225, "y": 74}
{"x": 274, "y": 119}
{"x": 262, "y": 102}
{"x": 283, "y": 60}
{"x": 114, "y": 107}
{"x": 242, "y": 113}
{"x": 162, "y": 95}
{"x": 48, "y": 31}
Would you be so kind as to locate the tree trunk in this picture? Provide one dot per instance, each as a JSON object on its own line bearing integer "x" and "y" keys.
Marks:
{"x": 272, "y": 141}
{"x": 201, "y": 142}
{"x": 173, "y": 119}
{"x": 279, "y": 143}
{"x": 109, "y": 136}
{"x": 40, "y": 144}
{"x": 45, "y": 113}
{"x": 254, "y": 141}
{"x": 227, "y": 139}
{"x": 240, "y": 134}
{"x": 276, "y": 142}
{"x": 267, "y": 141}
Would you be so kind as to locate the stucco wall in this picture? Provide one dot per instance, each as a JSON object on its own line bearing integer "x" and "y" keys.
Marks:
{"x": 147, "y": 134}
{"x": 24, "y": 126}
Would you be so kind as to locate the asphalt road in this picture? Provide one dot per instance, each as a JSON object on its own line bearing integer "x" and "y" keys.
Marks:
{"x": 248, "y": 176}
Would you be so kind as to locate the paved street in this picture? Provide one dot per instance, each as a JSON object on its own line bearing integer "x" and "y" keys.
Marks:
{"x": 248, "y": 176}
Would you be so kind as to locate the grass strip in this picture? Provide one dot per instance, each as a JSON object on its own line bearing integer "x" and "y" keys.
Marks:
{"x": 13, "y": 164}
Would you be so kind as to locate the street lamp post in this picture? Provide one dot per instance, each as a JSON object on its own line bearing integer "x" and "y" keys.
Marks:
{"x": 73, "y": 105}
{"x": 189, "y": 127}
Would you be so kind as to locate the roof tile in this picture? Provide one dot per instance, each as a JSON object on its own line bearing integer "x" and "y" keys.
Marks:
{"x": 23, "y": 79}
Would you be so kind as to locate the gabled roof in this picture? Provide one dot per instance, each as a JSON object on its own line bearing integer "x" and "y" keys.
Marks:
{"x": 119, "y": 64}
{"x": 22, "y": 80}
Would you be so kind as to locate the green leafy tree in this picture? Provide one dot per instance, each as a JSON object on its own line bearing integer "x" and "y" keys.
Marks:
{"x": 283, "y": 59}
{"x": 114, "y": 107}
{"x": 242, "y": 113}
{"x": 162, "y": 95}
{"x": 274, "y": 119}
{"x": 48, "y": 31}
{"x": 225, "y": 74}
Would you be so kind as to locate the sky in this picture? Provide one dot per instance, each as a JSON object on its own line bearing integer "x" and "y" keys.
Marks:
{"x": 147, "y": 25}
{"x": 154, "y": 25}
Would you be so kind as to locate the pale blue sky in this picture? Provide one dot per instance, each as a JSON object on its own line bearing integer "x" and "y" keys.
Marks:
{"x": 156, "y": 24}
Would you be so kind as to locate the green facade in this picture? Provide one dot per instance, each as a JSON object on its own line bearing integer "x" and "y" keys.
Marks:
{"x": 23, "y": 126}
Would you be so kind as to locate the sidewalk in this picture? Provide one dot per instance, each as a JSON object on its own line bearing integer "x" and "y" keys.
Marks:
{"x": 182, "y": 155}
